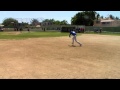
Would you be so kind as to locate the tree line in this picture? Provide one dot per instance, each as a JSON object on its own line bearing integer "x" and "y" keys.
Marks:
{"x": 11, "y": 22}
{"x": 81, "y": 18}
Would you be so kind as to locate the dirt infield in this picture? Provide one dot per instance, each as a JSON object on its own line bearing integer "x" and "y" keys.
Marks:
{"x": 54, "y": 58}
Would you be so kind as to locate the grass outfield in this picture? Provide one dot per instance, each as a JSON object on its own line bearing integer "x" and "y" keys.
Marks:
{"x": 34, "y": 34}
{"x": 24, "y": 34}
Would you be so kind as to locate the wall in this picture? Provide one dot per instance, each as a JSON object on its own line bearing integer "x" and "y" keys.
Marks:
{"x": 108, "y": 29}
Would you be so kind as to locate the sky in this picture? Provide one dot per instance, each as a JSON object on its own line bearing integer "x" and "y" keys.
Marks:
{"x": 27, "y": 16}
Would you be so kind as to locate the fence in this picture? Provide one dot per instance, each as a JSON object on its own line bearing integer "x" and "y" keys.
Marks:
{"x": 104, "y": 29}
{"x": 58, "y": 28}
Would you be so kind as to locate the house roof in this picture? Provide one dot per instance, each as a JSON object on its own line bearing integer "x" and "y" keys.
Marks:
{"x": 107, "y": 20}
{"x": 38, "y": 26}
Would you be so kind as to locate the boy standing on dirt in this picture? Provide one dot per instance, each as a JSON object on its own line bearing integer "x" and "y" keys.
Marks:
{"x": 73, "y": 33}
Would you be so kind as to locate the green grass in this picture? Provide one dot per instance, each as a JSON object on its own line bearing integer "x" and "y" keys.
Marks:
{"x": 36, "y": 34}
{"x": 25, "y": 35}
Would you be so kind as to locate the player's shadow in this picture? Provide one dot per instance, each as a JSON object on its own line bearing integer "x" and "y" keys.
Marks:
{"x": 73, "y": 46}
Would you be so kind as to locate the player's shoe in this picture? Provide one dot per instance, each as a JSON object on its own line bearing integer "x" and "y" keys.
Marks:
{"x": 80, "y": 45}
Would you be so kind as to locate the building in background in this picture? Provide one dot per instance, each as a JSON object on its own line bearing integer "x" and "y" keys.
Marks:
{"x": 46, "y": 23}
{"x": 107, "y": 22}
{"x": 1, "y": 27}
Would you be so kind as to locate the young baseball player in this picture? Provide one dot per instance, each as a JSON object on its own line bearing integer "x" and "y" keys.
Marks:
{"x": 73, "y": 33}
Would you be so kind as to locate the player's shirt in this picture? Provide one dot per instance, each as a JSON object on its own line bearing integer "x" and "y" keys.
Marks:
{"x": 73, "y": 33}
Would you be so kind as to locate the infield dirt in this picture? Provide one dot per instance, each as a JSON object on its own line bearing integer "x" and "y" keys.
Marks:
{"x": 55, "y": 58}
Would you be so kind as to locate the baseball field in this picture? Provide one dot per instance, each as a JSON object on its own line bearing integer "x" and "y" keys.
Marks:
{"x": 49, "y": 55}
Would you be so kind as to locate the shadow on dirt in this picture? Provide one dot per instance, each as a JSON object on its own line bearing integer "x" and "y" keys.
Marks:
{"x": 74, "y": 46}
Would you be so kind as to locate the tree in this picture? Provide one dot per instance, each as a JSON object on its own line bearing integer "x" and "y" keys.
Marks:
{"x": 46, "y": 20}
{"x": 117, "y": 18}
{"x": 64, "y": 22}
{"x": 52, "y": 21}
{"x": 34, "y": 22}
{"x": 98, "y": 15}
{"x": 10, "y": 22}
{"x": 84, "y": 18}
{"x": 111, "y": 16}
{"x": 56, "y": 22}
{"x": 102, "y": 17}
{"x": 25, "y": 24}
{"x": 77, "y": 19}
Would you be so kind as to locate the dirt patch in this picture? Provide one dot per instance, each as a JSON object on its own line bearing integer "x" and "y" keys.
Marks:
{"x": 54, "y": 58}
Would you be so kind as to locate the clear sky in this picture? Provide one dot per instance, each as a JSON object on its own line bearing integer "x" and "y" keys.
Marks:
{"x": 26, "y": 16}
